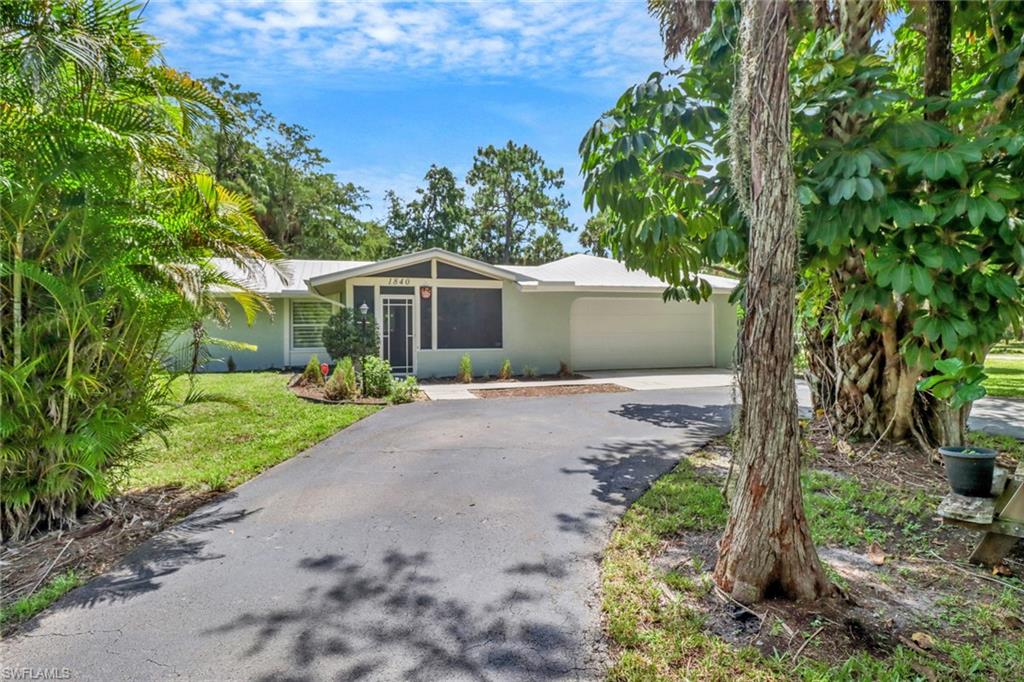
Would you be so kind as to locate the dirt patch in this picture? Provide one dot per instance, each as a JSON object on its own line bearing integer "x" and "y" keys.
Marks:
{"x": 537, "y": 391}
{"x": 99, "y": 539}
{"x": 900, "y": 464}
{"x": 912, "y": 603}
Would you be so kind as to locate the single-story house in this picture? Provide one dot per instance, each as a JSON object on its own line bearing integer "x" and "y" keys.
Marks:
{"x": 433, "y": 306}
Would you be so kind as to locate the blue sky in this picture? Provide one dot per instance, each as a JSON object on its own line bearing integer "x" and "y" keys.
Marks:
{"x": 389, "y": 88}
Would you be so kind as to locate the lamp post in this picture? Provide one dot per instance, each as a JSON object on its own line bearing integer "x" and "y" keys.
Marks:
{"x": 363, "y": 309}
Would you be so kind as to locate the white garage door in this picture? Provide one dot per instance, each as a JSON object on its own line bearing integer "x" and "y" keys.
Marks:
{"x": 639, "y": 333}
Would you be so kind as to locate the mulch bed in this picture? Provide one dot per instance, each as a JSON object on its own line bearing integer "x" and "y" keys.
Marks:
{"x": 537, "y": 391}
{"x": 316, "y": 394}
{"x": 514, "y": 379}
{"x": 97, "y": 541}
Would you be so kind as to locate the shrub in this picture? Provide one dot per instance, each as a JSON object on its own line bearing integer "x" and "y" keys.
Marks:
{"x": 505, "y": 373}
{"x": 377, "y": 379}
{"x": 466, "y": 369}
{"x": 107, "y": 234}
{"x": 342, "y": 384}
{"x": 564, "y": 372}
{"x": 312, "y": 376}
{"x": 349, "y": 334}
{"x": 530, "y": 372}
{"x": 404, "y": 391}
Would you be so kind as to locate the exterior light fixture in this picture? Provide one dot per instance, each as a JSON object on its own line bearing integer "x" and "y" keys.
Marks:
{"x": 363, "y": 309}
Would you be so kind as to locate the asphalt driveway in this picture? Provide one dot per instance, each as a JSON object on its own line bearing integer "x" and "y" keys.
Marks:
{"x": 434, "y": 541}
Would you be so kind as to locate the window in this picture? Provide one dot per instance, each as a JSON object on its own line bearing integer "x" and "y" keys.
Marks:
{"x": 468, "y": 318}
{"x": 308, "y": 320}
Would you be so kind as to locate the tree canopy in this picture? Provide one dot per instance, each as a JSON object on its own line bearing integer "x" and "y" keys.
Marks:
{"x": 912, "y": 239}
{"x": 303, "y": 208}
{"x": 516, "y": 210}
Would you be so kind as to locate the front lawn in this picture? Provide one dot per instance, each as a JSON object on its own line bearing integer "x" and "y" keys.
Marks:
{"x": 915, "y": 610}
{"x": 218, "y": 446}
{"x": 1005, "y": 375}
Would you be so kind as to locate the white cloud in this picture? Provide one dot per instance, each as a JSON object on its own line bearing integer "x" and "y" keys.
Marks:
{"x": 557, "y": 41}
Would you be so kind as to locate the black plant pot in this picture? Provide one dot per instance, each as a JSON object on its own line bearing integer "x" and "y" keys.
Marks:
{"x": 969, "y": 469}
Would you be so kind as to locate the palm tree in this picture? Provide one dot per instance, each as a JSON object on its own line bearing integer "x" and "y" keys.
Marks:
{"x": 108, "y": 226}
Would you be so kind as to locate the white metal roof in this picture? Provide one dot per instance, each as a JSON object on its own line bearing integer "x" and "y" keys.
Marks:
{"x": 593, "y": 272}
{"x": 580, "y": 271}
{"x": 295, "y": 271}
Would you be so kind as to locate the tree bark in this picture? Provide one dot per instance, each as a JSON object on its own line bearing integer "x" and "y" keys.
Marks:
{"x": 863, "y": 384}
{"x": 938, "y": 58}
{"x": 766, "y": 548}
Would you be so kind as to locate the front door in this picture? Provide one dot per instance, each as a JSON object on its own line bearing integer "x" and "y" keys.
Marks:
{"x": 397, "y": 334}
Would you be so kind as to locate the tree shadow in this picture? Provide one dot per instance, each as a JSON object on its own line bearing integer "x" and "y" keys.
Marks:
{"x": 699, "y": 417}
{"x": 1000, "y": 416}
{"x": 396, "y": 621}
{"x": 142, "y": 571}
{"x": 623, "y": 468}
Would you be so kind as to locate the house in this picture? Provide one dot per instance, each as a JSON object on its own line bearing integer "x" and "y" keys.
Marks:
{"x": 433, "y": 306}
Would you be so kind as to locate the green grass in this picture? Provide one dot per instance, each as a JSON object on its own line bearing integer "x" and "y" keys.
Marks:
{"x": 1016, "y": 346}
{"x": 842, "y": 512}
{"x": 661, "y": 639}
{"x": 1005, "y": 376}
{"x": 218, "y": 445}
{"x": 26, "y": 607}
{"x": 1004, "y": 444}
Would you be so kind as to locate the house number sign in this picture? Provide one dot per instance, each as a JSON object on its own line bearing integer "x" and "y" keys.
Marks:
{"x": 399, "y": 281}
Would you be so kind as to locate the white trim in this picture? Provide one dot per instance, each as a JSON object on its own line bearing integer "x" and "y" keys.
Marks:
{"x": 542, "y": 287}
{"x": 367, "y": 270}
{"x": 426, "y": 282}
{"x": 287, "y": 316}
{"x": 714, "y": 347}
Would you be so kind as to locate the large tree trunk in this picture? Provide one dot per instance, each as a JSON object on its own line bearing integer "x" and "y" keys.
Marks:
{"x": 766, "y": 548}
{"x": 938, "y": 58}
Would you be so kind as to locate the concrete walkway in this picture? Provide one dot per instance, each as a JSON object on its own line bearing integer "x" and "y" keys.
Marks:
{"x": 999, "y": 416}
{"x": 635, "y": 379}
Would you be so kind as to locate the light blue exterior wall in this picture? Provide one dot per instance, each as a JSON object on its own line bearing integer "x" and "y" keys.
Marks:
{"x": 535, "y": 333}
{"x": 267, "y": 333}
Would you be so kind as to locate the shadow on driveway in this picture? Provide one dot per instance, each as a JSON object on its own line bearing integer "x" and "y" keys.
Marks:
{"x": 145, "y": 569}
{"x": 396, "y": 621}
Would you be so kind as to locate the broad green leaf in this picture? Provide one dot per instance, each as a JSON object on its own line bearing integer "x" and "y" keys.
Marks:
{"x": 901, "y": 277}
{"x": 923, "y": 281}
{"x": 864, "y": 189}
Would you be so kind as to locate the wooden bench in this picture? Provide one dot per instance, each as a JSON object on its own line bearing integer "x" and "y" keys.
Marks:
{"x": 1000, "y": 517}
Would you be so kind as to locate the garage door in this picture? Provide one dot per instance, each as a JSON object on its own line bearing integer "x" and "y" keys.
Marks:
{"x": 640, "y": 333}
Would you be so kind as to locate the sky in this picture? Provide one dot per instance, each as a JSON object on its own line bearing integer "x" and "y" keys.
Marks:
{"x": 389, "y": 88}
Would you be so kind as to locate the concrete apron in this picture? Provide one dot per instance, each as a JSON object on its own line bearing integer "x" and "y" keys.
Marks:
{"x": 637, "y": 380}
